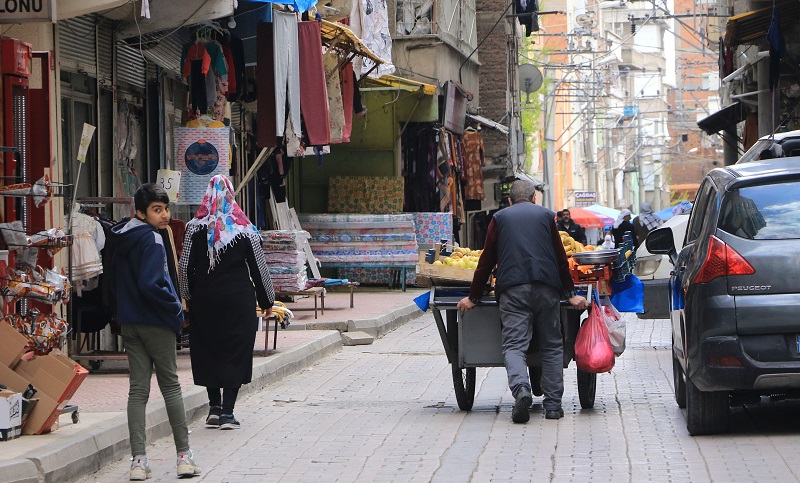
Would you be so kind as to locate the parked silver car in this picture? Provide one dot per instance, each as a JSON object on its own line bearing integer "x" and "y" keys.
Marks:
{"x": 734, "y": 294}
{"x": 654, "y": 271}
{"x": 780, "y": 145}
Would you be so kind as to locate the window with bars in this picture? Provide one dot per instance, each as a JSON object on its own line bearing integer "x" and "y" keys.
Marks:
{"x": 453, "y": 20}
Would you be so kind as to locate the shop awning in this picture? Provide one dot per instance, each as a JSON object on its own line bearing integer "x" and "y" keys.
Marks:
{"x": 488, "y": 123}
{"x": 728, "y": 116}
{"x": 392, "y": 82}
{"x": 751, "y": 27}
{"x": 337, "y": 35}
{"x": 167, "y": 15}
{"x": 75, "y": 8}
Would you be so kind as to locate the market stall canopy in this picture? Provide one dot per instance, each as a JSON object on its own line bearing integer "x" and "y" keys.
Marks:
{"x": 336, "y": 35}
{"x": 750, "y": 28}
{"x": 602, "y": 210}
{"x": 589, "y": 219}
{"x": 727, "y": 117}
{"x": 488, "y": 123}
{"x": 166, "y": 15}
{"x": 681, "y": 208}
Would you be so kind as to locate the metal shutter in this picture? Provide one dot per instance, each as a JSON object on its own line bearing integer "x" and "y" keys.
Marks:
{"x": 130, "y": 66}
{"x": 77, "y": 44}
{"x": 105, "y": 51}
{"x": 167, "y": 54}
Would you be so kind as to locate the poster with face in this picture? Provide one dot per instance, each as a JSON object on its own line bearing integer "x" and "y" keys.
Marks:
{"x": 200, "y": 154}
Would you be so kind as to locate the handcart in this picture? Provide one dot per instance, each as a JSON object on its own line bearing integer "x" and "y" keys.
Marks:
{"x": 473, "y": 339}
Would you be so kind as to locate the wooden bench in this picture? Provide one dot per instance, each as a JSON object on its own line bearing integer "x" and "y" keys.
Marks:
{"x": 265, "y": 326}
{"x": 350, "y": 285}
{"x": 309, "y": 292}
{"x": 401, "y": 267}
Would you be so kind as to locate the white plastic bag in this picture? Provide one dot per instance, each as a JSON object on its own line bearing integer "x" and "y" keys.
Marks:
{"x": 615, "y": 324}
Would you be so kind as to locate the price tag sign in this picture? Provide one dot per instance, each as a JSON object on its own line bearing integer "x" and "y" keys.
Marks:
{"x": 171, "y": 182}
{"x": 86, "y": 140}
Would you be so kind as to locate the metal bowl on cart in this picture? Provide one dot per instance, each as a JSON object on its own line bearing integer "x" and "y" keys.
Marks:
{"x": 473, "y": 339}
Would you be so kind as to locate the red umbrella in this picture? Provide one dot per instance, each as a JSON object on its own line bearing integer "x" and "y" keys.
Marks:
{"x": 589, "y": 219}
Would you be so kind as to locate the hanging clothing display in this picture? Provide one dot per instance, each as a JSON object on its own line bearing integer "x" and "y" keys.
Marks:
{"x": 348, "y": 85}
{"x": 287, "y": 71}
{"x": 266, "y": 134}
{"x": 313, "y": 90}
{"x": 419, "y": 150}
{"x": 335, "y": 100}
{"x": 233, "y": 48}
{"x": 373, "y": 20}
{"x": 204, "y": 63}
{"x": 474, "y": 160}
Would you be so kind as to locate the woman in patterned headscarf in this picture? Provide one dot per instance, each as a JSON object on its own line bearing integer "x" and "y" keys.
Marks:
{"x": 222, "y": 274}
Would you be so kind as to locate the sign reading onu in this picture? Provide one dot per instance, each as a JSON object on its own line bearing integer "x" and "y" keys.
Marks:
{"x": 17, "y": 11}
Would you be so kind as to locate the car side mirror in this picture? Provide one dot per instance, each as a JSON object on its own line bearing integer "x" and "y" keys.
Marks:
{"x": 661, "y": 242}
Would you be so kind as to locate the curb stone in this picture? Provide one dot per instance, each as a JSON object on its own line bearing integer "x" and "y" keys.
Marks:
{"x": 108, "y": 441}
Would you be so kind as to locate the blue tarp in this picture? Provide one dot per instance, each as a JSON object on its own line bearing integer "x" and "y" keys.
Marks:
{"x": 680, "y": 208}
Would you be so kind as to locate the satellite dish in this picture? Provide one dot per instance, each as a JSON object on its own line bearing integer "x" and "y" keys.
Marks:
{"x": 530, "y": 78}
{"x": 586, "y": 20}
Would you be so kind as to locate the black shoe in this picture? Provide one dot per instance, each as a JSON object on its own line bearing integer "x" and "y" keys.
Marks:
{"x": 227, "y": 421}
{"x": 554, "y": 414}
{"x": 212, "y": 420}
{"x": 522, "y": 406}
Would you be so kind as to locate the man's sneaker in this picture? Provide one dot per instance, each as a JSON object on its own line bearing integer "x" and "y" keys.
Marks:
{"x": 554, "y": 413}
{"x": 140, "y": 470}
{"x": 227, "y": 421}
{"x": 186, "y": 465}
{"x": 522, "y": 406}
{"x": 212, "y": 420}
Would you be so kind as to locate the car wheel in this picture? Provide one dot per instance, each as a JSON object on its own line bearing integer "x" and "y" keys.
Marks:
{"x": 706, "y": 412}
{"x": 679, "y": 382}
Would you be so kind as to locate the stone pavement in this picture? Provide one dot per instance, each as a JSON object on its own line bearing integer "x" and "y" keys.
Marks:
{"x": 101, "y": 434}
{"x": 387, "y": 412}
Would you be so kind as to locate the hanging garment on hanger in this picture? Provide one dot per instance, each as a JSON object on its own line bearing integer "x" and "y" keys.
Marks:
{"x": 334, "y": 89}
{"x": 211, "y": 90}
{"x": 475, "y": 159}
{"x": 196, "y": 51}
{"x": 266, "y": 134}
{"x": 236, "y": 48}
{"x": 313, "y": 90}
{"x": 348, "y": 84}
{"x": 287, "y": 70}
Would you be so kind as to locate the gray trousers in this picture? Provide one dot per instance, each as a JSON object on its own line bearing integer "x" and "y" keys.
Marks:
{"x": 151, "y": 347}
{"x": 525, "y": 310}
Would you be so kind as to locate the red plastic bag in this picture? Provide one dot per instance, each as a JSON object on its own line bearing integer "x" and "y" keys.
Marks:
{"x": 593, "y": 350}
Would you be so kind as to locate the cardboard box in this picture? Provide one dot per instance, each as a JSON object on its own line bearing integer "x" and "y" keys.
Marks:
{"x": 44, "y": 413}
{"x": 12, "y": 345}
{"x": 10, "y": 415}
{"x": 56, "y": 378}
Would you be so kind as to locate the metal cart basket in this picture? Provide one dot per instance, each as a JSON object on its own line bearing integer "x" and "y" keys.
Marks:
{"x": 473, "y": 339}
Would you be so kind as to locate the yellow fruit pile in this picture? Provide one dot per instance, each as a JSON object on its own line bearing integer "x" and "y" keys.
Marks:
{"x": 461, "y": 258}
{"x": 573, "y": 246}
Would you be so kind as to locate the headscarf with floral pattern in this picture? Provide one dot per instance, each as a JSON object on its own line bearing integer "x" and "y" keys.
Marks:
{"x": 221, "y": 215}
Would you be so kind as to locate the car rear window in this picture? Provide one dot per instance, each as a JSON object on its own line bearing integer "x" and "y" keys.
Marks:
{"x": 763, "y": 212}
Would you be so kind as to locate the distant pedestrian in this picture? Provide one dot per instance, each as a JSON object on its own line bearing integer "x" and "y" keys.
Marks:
{"x": 646, "y": 222}
{"x": 150, "y": 314}
{"x": 567, "y": 224}
{"x": 223, "y": 273}
{"x": 621, "y": 226}
{"x": 608, "y": 242}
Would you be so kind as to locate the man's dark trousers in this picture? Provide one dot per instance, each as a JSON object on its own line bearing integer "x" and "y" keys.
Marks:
{"x": 525, "y": 310}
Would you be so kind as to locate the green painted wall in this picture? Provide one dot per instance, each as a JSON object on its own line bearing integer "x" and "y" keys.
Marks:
{"x": 372, "y": 150}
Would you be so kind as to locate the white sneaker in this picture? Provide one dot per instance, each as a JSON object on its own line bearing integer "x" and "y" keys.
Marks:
{"x": 140, "y": 470}
{"x": 186, "y": 465}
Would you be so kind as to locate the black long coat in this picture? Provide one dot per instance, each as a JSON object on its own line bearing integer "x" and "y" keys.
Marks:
{"x": 222, "y": 308}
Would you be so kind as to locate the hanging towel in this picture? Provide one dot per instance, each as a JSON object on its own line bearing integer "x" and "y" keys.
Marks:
{"x": 265, "y": 78}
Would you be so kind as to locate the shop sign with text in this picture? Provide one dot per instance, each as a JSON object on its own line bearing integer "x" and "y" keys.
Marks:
{"x": 18, "y": 11}
{"x": 585, "y": 198}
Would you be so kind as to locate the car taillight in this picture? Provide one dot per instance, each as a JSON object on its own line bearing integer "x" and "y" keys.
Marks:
{"x": 722, "y": 260}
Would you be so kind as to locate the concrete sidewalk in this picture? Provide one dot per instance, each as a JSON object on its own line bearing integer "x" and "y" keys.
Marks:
{"x": 101, "y": 435}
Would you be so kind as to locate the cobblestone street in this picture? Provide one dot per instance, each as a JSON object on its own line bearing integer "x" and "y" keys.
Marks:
{"x": 387, "y": 412}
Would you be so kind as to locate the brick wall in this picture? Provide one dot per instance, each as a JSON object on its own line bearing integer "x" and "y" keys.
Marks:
{"x": 493, "y": 73}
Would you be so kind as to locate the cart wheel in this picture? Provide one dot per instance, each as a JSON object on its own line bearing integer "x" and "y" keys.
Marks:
{"x": 536, "y": 380}
{"x": 95, "y": 365}
{"x": 464, "y": 383}
{"x": 587, "y": 384}
{"x": 75, "y": 417}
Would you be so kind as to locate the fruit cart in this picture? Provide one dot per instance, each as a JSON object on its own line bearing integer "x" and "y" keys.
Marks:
{"x": 473, "y": 339}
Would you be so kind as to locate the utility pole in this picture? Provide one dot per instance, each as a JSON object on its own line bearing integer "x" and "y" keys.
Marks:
{"x": 549, "y": 108}
{"x": 639, "y": 160}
